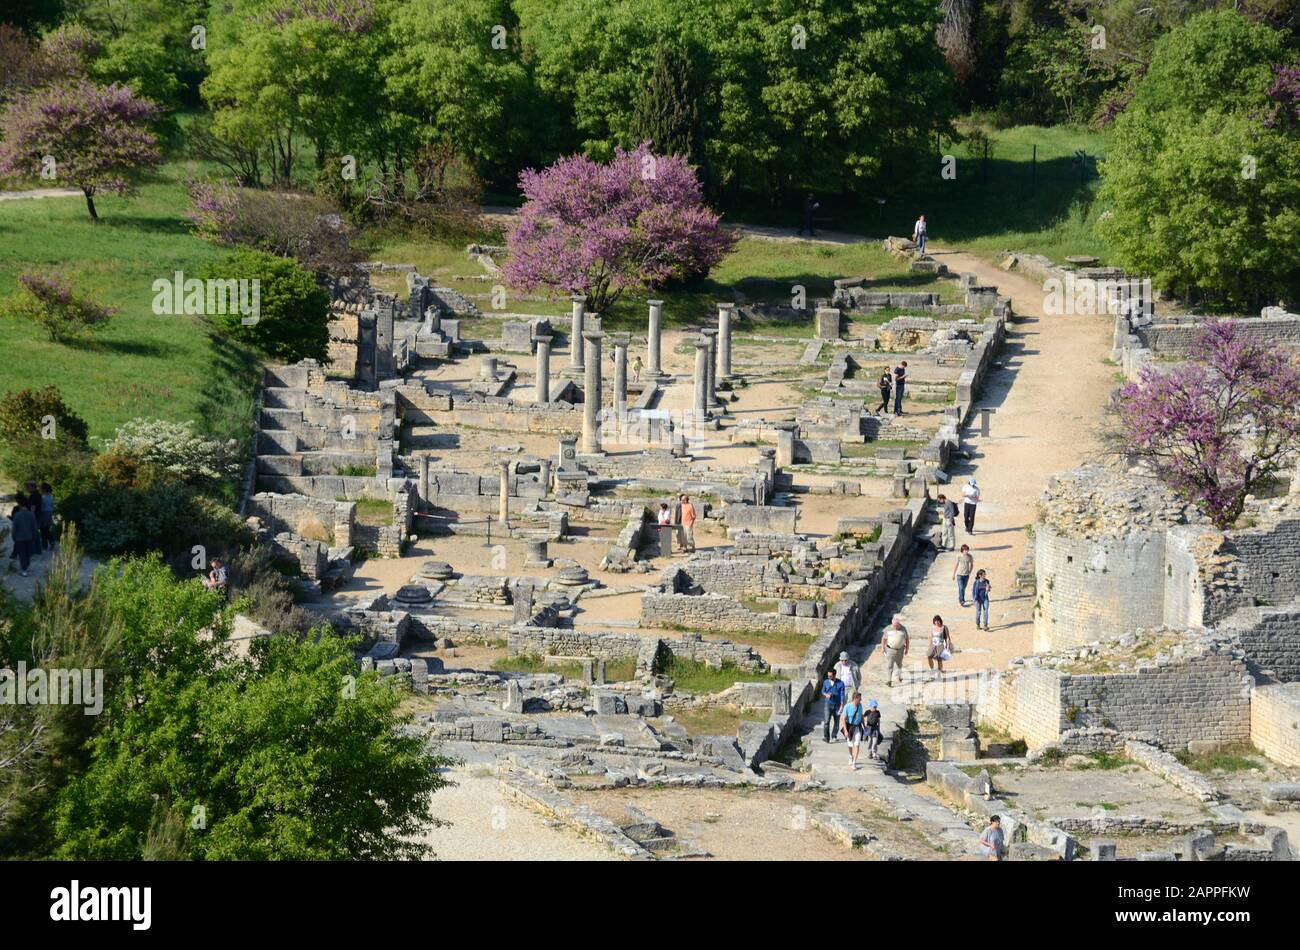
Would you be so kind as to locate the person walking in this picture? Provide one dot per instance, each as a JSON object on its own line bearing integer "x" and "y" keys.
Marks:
{"x": 886, "y": 386}
{"x": 871, "y": 724}
{"x": 991, "y": 841}
{"x": 810, "y": 207}
{"x": 894, "y": 644}
{"x": 961, "y": 571}
{"x": 948, "y": 512}
{"x": 26, "y": 533}
{"x": 940, "y": 644}
{"x": 970, "y": 493}
{"x": 852, "y": 728}
{"x": 980, "y": 595}
{"x": 45, "y": 516}
{"x": 833, "y": 695}
{"x": 846, "y": 671}
{"x": 900, "y": 383}
{"x": 687, "y": 522}
{"x": 918, "y": 235}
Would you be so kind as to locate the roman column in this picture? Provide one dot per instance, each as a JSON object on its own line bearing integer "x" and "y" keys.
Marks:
{"x": 621, "y": 340}
{"x": 701, "y": 404}
{"x": 503, "y": 515}
{"x": 725, "y": 312}
{"x": 591, "y": 395}
{"x": 575, "y": 332}
{"x": 544, "y": 476}
{"x": 652, "y": 338}
{"x": 424, "y": 480}
{"x": 711, "y": 390}
{"x": 543, "y": 370}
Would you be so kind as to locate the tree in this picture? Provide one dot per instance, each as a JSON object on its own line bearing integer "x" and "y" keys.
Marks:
{"x": 596, "y": 229}
{"x": 1219, "y": 426}
{"x": 291, "y": 753}
{"x": 97, "y": 137}
{"x": 49, "y": 302}
{"x": 667, "y": 113}
{"x": 1202, "y": 192}
{"x": 292, "y": 322}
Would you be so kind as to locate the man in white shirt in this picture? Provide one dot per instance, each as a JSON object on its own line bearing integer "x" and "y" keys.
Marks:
{"x": 918, "y": 234}
{"x": 846, "y": 672}
{"x": 894, "y": 644}
{"x": 970, "y": 494}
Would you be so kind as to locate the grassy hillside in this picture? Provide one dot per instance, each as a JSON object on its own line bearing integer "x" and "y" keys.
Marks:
{"x": 140, "y": 364}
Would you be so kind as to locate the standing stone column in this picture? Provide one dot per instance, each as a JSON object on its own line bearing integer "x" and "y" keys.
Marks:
{"x": 575, "y": 332}
{"x": 711, "y": 388}
{"x": 652, "y": 338}
{"x": 785, "y": 445}
{"x": 725, "y": 313}
{"x": 621, "y": 341}
{"x": 591, "y": 395}
{"x": 543, "y": 370}
{"x": 503, "y": 515}
{"x": 701, "y": 403}
{"x": 544, "y": 476}
{"x": 424, "y": 480}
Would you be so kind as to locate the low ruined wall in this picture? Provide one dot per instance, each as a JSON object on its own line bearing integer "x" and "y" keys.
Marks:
{"x": 1025, "y": 704}
{"x": 1275, "y": 722}
{"x": 559, "y": 641}
{"x": 1270, "y": 638}
{"x": 1177, "y": 337}
{"x": 299, "y": 514}
{"x": 718, "y": 613}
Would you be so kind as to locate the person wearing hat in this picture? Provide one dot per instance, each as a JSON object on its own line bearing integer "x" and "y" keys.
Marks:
{"x": 970, "y": 495}
{"x": 847, "y": 673}
{"x": 871, "y": 724}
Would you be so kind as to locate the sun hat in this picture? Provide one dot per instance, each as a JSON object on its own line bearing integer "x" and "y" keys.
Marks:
{"x": 872, "y": 704}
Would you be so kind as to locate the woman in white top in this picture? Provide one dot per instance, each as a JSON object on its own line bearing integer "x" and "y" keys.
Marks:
{"x": 940, "y": 644}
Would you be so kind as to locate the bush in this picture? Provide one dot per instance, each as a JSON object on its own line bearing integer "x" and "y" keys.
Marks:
{"x": 49, "y": 302}
{"x": 174, "y": 447}
{"x": 265, "y": 595}
{"x": 40, "y": 413}
{"x": 307, "y": 228}
{"x": 292, "y": 320}
{"x": 153, "y": 515}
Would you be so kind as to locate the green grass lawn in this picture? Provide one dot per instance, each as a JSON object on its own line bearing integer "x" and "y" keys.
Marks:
{"x": 695, "y": 677}
{"x": 141, "y": 364}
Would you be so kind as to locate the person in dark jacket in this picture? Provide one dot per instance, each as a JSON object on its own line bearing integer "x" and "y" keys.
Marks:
{"x": 26, "y": 534}
{"x": 886, "y": 386}
{"x": 45, "y": 516}
{"x": 809, "y": 206}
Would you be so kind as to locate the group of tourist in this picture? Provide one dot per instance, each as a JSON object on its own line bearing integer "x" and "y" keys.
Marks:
{"x": 32, "y": 524}
{"x": 845, "y": 713}
{"x": 964, "y": 566}
{"x": 681, "y": 516}
{"x": 892, "y": 384}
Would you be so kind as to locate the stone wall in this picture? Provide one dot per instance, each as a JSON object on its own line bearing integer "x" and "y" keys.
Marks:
{"x": 718, "y": 613}
{"x": 1275, "y": 722}
{"x": 1270, "y": 638}
{"x": 1025, "y": 704}
{"x": 304, "y": 516}
{"x": 649, "y": 652}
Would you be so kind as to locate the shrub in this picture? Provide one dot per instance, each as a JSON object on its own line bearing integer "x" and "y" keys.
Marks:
{"x": 153, "y": 515}
{"x": 258, "y": 589}
{"x": 174, "y": 447}
{"x": 292, "y": 320}
{"x": 49, "y": 302}
{"x": 40, "y": 413}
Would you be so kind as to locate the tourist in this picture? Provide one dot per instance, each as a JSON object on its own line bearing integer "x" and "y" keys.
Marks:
{"x": 218, "y": 576}
{"x": 833, "y": 695}
{"x": 900, "y": 382}
{"x": 894, "y": 644}
{"x": 970, "y": 493}
{"x": 990, "y": 843}
{"x": 961, "y": 571}
{"x": 948, "y": 542}
{"x": 851, "y": 728}
{"x": 847, "y": 672}
{"x": 686, "y": 522}
{"x": 871, "y": 723}
{"x": 918, "y": 235}
{"x": 809, "y": 207}
{"x": 665, "y": 515}
{"x": 25, "y": 532}
{"x": 636, "y": 369}
{"x": 940, "y": 644}
{"x": 886, "y": 385}
{"x": 45, "y": 516}
{"x": 980, "y": 595}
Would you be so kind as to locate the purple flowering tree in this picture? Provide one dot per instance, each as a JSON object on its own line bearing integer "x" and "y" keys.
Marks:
{"x": 1219, "y": 426}
{"x": 598, "y": 229}
{"x": 98, "y": 137}
{"x": 50, "y": 302}
{"x": 1284, "y": 94}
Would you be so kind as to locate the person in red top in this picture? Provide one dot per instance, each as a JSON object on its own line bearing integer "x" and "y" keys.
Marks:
{"x": 687, "y": 515}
